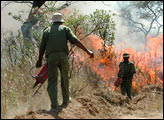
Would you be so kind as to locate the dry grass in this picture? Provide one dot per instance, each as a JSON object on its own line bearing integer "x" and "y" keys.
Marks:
{"x": 16, "y": 88}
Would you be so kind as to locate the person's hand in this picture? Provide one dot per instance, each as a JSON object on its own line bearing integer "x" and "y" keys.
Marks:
{"x": 91, "y": 53}
{"x": 38, "y": 64}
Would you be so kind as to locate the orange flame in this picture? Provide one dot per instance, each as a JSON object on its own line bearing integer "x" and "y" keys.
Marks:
{"x": 149, "y": 64}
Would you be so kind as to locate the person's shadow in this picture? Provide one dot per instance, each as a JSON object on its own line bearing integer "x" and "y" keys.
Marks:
{"x": 54, "y": 114}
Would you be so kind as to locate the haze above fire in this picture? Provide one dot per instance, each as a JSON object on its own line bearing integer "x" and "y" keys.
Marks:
{"x": 134, "y": 40}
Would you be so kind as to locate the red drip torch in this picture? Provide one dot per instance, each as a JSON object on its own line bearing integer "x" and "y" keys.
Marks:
{"x": 41, "y": 76}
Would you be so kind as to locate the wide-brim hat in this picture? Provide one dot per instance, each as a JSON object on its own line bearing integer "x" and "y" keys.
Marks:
{"x": 126, "y": 55}
{"x": 57, "y": 17}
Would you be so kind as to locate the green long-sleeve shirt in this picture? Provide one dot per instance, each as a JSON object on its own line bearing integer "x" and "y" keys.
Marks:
{"x": 55, "y": 39}
{"x": 126, "y": 70}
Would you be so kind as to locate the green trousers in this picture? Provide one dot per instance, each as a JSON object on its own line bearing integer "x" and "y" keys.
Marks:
{"x": 58, "y": 61}
{"x": 126, "y": 87}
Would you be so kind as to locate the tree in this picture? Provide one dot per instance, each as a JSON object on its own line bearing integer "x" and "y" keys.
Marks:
{"x": 47, "y": 10}
{"x": 143, "y": 16}
{"x": 100, "y": 23}
{"x": 153, "y": 11}
{"x": 103, "y": 25}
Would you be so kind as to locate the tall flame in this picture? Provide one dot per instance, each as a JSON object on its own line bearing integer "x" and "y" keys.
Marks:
{"x": 149, "y": 63}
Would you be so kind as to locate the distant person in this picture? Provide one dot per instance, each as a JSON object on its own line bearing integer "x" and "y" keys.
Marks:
{"x": 54, "y": 42}
{"x": 126, "y": 71}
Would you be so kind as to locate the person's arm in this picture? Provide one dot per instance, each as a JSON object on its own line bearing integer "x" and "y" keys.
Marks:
{"x": 41, "y": 51}
{"x": 80, "y": 45}
{"x": 74, "y": 40}
{"x": 119, "y": 72}
{"x": 132, "y": 71}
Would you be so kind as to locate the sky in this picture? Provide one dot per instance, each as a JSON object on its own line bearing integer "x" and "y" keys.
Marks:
{"x": 90, "y": 6}
{"x": 7, "y": 22}
{"x": 84, "y": 7}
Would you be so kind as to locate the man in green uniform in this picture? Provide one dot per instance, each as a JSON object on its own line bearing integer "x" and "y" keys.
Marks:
{"x": 54, "y": 42}
{"x": 126, "y": 71}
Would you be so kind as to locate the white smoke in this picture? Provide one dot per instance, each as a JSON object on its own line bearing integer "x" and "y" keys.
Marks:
{"x": 7, "y": 22}
{"x": 122, "y": 35}
{"x": 134, "y": 40}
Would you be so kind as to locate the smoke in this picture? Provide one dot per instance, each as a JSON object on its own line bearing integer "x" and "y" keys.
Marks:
{"x": 16, "y": 110}
{"x": 126, "y": 38}
{"x": 122, "y": 35}
{"x": 38, "y": 102}
{"x": 7, "y": 22}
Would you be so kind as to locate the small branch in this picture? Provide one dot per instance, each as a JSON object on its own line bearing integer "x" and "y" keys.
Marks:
{"x": 152, "y": 11}
{"x": 76, "y": 91}
{"x": 46, "y": 6}
{"x": 142, "y": 26}
{"x": 105, "y": 3}
{"x": 158, "y": 30}
{"x": 5, "y": 4}
{"x": 23, "y": 2}
{"x": 9, "y": 2}
{"x": 72, "y": 66}
{"x": 91, "y": 32}
{"x": 139, "y": 99}
{"x": 151, "y": 24}
{"x": 68, "y": 3}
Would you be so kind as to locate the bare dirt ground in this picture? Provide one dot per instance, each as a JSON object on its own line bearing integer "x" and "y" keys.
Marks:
{"x": 106, "y": 104}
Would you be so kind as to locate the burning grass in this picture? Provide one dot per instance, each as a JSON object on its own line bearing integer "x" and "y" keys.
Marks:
{"x": 148, "y": 62}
